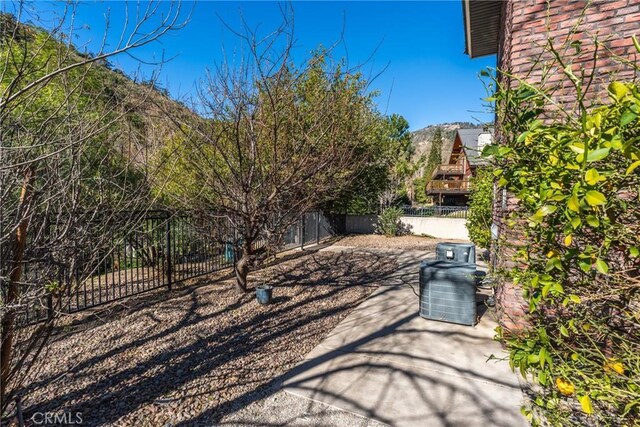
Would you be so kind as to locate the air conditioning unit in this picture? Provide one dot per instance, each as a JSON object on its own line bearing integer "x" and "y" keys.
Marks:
{"x": 462, "y": 252}
{"x": 448, "y": 291}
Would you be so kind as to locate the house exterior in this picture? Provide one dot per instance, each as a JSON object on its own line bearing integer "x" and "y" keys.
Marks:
{"x": 449, "y": 182}
{"x": 516, "y": 31}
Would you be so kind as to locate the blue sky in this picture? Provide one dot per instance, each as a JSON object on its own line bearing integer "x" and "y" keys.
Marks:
{"x": 419, "y": 45}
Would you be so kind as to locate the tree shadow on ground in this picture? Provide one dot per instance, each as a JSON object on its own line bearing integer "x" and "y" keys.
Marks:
{"x": 203, "y": 349}
{"x": 433, "y": 392}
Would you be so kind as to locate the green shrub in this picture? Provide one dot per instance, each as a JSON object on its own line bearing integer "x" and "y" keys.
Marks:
{"x": 480, "y": 216}
{"x": 577, "y": 182}
{"x": 389, "y": 222}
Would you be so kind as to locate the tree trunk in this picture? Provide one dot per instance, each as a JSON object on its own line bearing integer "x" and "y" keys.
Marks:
{"x": 8, "y": 320}
{"x": 242, "y": 267}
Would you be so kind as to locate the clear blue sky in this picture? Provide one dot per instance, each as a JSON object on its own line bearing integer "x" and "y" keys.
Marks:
{"x": 428, "y": 78}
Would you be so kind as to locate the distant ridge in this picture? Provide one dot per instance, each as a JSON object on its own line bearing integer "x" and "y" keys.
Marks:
{"x": 422, "y": 138}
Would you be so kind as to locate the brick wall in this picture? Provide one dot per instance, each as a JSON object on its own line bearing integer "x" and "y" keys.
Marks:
{"x": 529, "y": 24}
{"x": 526, "y": 26}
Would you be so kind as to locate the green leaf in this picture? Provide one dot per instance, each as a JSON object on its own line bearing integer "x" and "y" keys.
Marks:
{"x": 593, "y": 221}
{"x": 602, "y": 266}
{"x": 634, "y": 251}
{"x": 585, "y": 403}
{"x": 563, "y": 331}
{"x": 522, "y": 136}
{"x": 575, "y": 299}
{"x": 584, "y": 266}
{"x": 577, "y": 147}
{"x": 592, "y": 177}
{"x": 633, "y": 167}
{"x": 536, "y": 218}
{"x": 490, "y": 150}
{"x": 502, "y": 181}
{"x": 595, "y": 198}
{"x": 627, "y": 117}
{"x": 574, "y": 204}
{"x": 618, "y": 90}
{"x": 598, "y": 154}
{"x": 544, "y": 356}
{"x": 546, "y": 210}
{"x": 542, "y": 377}
{"x": 502, "y": 150}
{"x": 575, "y": 222}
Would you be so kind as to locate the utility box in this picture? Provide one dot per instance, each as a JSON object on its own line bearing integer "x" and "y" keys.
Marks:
{"x": 462, "y": 252}
{"x": 448, "y": 291}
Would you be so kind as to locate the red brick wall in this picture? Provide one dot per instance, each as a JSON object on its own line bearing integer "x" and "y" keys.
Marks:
{"x": 526, "y": 26}
{"x": 529, "y": 24}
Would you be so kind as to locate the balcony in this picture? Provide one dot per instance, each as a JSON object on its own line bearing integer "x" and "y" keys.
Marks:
{"x": 448, "y": 170}
{"x": 443, "y": 186}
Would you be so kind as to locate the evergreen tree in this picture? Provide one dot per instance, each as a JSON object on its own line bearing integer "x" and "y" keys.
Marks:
{"x": 435, "y": 153}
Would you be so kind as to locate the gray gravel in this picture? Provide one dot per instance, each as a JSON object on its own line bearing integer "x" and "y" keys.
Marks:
{"x": 377, "y": 241}
{"x": 285, "y": 409}
{"x": 192, "y": 356}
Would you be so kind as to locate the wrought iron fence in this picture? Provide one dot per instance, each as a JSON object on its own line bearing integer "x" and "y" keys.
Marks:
{"x": 154, "y": 250}
{"x": 439, "y": 211}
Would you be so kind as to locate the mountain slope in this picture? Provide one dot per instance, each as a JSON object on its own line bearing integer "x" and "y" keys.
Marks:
{"x": 422, "y": 138}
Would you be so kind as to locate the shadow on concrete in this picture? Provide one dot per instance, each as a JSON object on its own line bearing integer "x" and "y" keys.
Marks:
{"x": 386, "y": 363}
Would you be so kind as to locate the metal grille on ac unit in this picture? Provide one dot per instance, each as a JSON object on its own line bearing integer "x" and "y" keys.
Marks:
{"x": 448, "y": 291}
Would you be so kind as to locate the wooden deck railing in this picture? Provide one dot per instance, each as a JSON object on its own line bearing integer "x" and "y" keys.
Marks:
{"x": 447, "y": 186}
{"x": 448, "y": 170}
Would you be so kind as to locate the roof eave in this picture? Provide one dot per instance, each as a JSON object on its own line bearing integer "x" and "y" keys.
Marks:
{"x": 482, "y": 19}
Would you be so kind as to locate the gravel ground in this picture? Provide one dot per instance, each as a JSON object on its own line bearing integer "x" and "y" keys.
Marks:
{"x": 280, "y": 408}
{"x": 191, "y": 356}
{"x": 381, "y": 242}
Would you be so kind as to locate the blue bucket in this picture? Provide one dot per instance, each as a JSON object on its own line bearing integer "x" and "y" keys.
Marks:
{"x": 264, "y": 293}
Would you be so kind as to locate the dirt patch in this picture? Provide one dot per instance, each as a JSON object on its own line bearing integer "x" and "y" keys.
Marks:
{"x": 382, "y": 242}
{"x": 192, "y": 356}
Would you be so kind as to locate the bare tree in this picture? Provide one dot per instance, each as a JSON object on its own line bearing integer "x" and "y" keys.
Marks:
{"x": 279, "y": 138}
{"x": 69, "y": 178}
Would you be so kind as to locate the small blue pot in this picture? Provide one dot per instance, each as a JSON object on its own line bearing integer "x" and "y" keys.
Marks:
{"x": 264, "y": 293}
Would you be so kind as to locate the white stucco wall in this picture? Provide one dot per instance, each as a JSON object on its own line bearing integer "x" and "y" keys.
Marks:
{"x": 443, "y": 228}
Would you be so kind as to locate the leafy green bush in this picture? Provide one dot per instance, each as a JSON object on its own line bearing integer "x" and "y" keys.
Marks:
{"x": 577, "y": 182}
{"x": 480, "y": 208}
{"x": 389, "y": 222}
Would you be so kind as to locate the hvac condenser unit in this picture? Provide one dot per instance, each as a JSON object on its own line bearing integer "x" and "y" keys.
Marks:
{"x": 463, "y": 252}
{"x": 448, "y": 291}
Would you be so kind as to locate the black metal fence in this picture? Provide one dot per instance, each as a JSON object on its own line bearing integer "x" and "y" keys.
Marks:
{"x": 154, "y": 251}
{"x": 440, "y": 211}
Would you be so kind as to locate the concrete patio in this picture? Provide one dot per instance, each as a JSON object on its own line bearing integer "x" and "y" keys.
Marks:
{"x": 386, "y": 363}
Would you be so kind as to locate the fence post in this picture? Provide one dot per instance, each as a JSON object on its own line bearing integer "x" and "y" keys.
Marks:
{"x": 318, "y": 228}
{"x": 168, "y": 251}
{"x": 302, "y": 221}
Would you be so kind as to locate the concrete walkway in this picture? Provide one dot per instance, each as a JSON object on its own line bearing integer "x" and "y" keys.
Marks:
{"x": 385, "y": 364}
{"x": 388, "y": 364}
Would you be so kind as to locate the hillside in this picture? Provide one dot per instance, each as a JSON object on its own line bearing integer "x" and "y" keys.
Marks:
{"x": 422, "y": 138}
{"x": 135, "y": 112}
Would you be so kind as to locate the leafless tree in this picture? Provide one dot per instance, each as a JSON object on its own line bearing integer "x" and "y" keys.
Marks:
{"x": 70, "y": 176}
{"x": 279, "y": 138}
